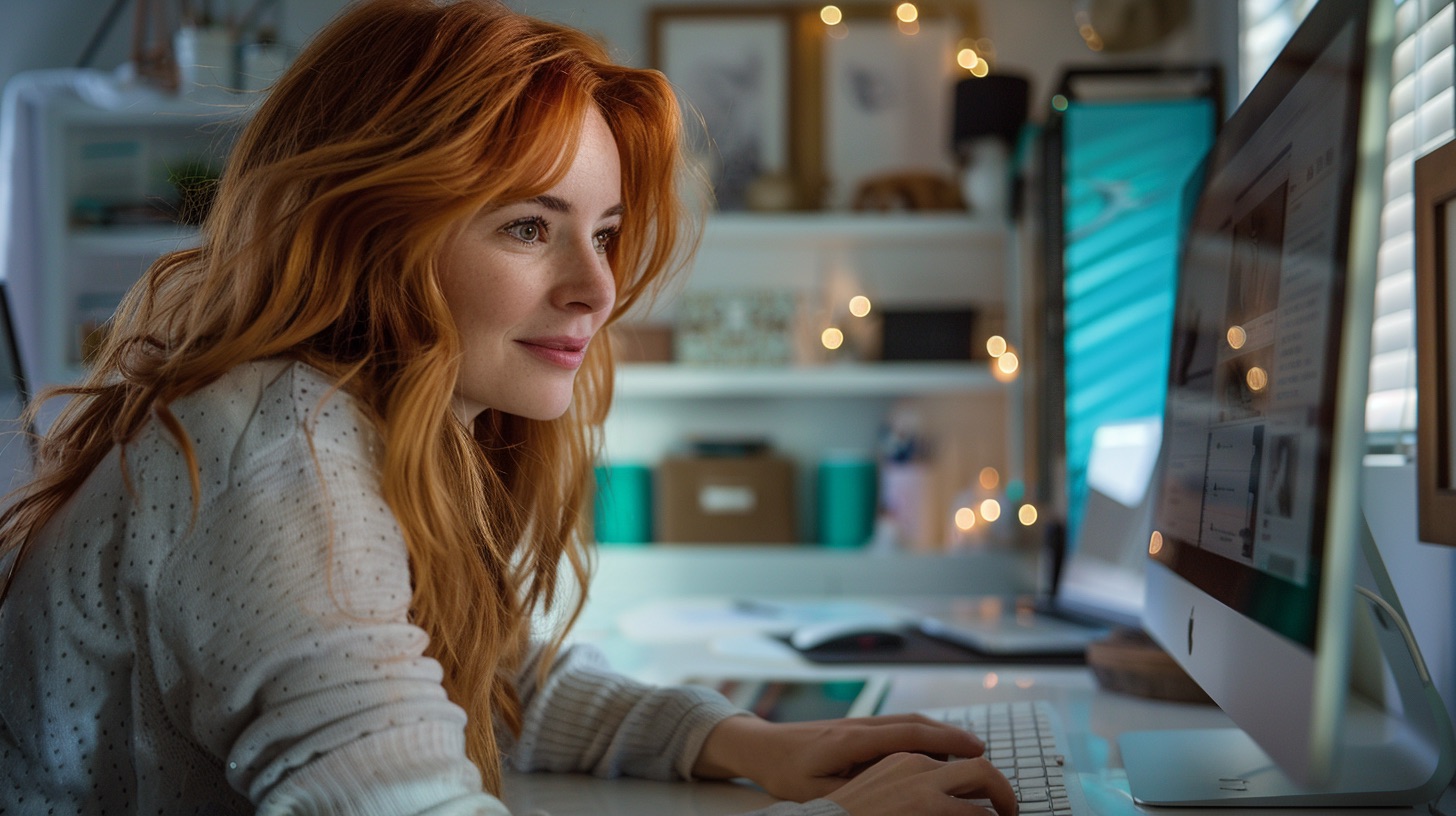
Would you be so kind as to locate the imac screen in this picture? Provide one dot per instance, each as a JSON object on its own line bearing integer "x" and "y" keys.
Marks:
{"x": 1249, "y": 422}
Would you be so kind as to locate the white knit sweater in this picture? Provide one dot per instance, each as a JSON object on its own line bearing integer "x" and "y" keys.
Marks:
{"x": 257, "y": 656}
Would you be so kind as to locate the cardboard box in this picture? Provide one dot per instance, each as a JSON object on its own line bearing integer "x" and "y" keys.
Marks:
{"x": 726, "y": 500}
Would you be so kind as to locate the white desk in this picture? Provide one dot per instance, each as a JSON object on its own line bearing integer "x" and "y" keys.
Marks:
{"x": 1091, "y": 716}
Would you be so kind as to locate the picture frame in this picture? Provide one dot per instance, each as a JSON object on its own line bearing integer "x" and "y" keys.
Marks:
{"x": 735, "y": 67}
{"x": 1435, "y": 318}
{"x": 887, "y": 99}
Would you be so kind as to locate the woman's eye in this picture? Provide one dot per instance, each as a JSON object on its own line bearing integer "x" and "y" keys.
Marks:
{"x": 603, "y": 240}
{"x": 527, "y": 230}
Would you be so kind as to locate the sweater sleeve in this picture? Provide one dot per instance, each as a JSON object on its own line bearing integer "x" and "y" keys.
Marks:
{"x": 284, "y": 645}
{"x": 585, "y": 718}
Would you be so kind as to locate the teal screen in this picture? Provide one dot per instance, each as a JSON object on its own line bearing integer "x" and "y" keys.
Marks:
{"x": 1125, "y": 166}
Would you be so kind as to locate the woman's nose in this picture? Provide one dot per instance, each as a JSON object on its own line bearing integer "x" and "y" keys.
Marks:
{"x": 588, "y": 284}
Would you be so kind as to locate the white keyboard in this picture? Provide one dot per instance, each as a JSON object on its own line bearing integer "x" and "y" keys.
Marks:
{"x": 1024, "y": 740}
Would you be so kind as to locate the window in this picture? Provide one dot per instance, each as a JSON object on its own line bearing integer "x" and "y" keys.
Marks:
{"x": 1421, "y": 118}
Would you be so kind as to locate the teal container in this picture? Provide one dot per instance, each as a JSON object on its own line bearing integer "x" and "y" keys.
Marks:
{"x": 622, "y": 512}
{"x": 848, "y": 500}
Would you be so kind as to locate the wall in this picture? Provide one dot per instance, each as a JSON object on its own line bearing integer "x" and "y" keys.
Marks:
{"x": 1037, "y": 37}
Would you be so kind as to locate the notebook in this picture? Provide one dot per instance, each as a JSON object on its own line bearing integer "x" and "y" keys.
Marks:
{"x": 1101, "y": 582}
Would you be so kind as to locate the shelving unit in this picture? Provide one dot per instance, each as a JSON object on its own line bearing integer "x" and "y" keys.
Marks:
{"x": 101, "y": 151}
{"x": 808, "y": 411}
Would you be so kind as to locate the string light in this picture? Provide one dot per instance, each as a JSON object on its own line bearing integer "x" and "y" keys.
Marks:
{"x": 832, "y": 338}
{"x": 1155, "y": 544}
{"x": 990, "y": 478}
{"x": 965, "y": 519}
{"x": 907, "y": 12}
{"x": 1026, "y": 515}
{"x": 831, "y": 15}
{"x": 996, "y": 345}
{"x": 1237, "y": 337}
{"x": 859, "y": 305}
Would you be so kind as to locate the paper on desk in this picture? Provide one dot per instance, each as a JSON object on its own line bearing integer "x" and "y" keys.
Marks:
{"x": 696, "y": 619}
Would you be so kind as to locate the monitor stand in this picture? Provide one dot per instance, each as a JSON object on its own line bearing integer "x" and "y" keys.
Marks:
{"x": 1385, "y": 759}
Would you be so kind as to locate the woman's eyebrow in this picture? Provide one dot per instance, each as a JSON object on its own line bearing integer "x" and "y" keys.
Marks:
{"x": 561, "y": 205}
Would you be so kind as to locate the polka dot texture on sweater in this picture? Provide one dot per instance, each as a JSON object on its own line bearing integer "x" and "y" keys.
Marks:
{"x": 255, "y": 657}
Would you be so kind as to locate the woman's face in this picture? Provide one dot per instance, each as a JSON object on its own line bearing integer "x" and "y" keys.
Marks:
{"x": 529, "y": 286}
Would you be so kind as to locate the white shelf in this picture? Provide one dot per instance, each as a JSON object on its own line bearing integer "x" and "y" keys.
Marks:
{"x": 863, "y": 226}
{"x": 658, "y": 380}
{"x": 138, "y": 240}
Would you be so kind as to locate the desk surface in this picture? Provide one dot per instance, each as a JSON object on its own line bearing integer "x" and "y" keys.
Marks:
{"x": 1091, "y": 717}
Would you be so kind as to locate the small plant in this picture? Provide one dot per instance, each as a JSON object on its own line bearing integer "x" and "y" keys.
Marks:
{"x": 196, "y": 183}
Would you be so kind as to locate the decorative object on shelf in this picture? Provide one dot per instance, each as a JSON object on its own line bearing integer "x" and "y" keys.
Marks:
{"x": 907, "y": 191}
{"x": 1129, "y": 25}
{"x": 732, "y": 66}
{"x": 151, "y": 45}
{"x": 940, "y": 333}
{"x": 622, "y": 509}
{"x": 641, "y": 342}
{"x": 990, "y": 113}
{"x": 206, "y": 62}
{"x": 735, "y": 328}
{"x": 848, "y": 498}
{"x": 728, "y": 494}
{"x": 884, "y": 91}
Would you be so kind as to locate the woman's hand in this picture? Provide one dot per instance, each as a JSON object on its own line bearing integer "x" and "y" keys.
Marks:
{"x": 869, "y": 766}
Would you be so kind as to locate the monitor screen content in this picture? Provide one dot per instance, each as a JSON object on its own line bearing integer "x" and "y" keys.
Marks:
{"x": 1256, "y": 337}
{"x": 1258, "y": 537}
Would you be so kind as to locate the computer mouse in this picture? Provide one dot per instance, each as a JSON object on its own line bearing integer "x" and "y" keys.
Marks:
{"x": 848, "y": 636}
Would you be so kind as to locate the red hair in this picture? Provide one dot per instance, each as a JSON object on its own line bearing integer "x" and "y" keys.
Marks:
{"x": 402, "y": 119}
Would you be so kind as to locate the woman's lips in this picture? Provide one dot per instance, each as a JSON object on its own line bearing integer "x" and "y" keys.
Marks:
{"x": 564, "y": 352}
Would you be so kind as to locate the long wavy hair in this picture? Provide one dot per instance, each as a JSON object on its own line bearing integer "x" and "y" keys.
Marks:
{"x": 400, "y": 121}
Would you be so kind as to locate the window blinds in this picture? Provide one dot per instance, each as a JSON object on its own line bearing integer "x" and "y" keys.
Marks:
{"x": 1421, "y": 118}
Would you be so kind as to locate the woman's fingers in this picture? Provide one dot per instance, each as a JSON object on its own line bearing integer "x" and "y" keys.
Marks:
{"x": 912, "y": 733}
{"x": 915, "y": 783}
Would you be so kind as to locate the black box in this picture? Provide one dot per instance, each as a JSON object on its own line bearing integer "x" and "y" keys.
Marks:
{"x": 927, "y": 334}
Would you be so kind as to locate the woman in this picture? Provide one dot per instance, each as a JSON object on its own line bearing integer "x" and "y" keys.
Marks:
{"x": 286, "y": 543}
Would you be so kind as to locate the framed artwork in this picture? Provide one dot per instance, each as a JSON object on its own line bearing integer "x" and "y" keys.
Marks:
{"x": 887, "y": 100}
{"x": 733, "y": 68}
{"x": 1435, "y": 228}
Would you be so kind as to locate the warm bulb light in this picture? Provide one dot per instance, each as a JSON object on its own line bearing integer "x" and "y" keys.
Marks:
{"x": 1007, "y": 362}
{"x": 1026, "y": 515}
{"x": 996, "y": 345}
{"x": 991, "y": 680}
{"x": 965, "y": 519}
{"x": 1155, "y": 544}
{"x": 1237, "y": 337}
{"x": 1257, "y": 378}
{"x": 911, "y": 28}
{"x": 859, "y": 305}
{"x": 980, "y": 69}
{"x": 990, "y": 509}
{"x": 831, "y": 15}
{"x": 832, "y": 338}
{"x": 907, "y": 12}
{"x": 990, "y": 478}
{"x": 967, "y": 59}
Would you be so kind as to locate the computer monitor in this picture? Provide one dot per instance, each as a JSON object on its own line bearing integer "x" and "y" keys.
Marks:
{"x": 1258, "y": 533}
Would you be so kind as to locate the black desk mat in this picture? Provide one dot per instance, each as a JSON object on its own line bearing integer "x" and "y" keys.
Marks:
{"x": 922, "y": 649}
